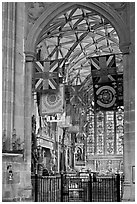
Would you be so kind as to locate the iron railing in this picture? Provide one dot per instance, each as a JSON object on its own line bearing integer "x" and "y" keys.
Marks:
{"x": 72, "y": 188}
{"x": 46, "y": 188}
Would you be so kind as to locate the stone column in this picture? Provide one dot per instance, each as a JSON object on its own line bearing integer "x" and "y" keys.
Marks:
{"x": 129, "y": 129}
{"x": 19, "y": 72}
{"x": 27, "y": 105}
{"x": 129, "y": 113}
{"x": 26, "y": 187}
{"x": 8, "y": 69}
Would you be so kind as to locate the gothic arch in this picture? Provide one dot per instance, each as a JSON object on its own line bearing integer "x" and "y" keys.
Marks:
{"x": 59, "y": 7}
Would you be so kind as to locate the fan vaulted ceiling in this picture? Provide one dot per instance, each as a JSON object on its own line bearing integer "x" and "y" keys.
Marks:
{"x": 73, "y": 38}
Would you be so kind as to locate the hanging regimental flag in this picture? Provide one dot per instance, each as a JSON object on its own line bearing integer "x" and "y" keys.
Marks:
{"x": 105, "y": 96}
{"x": 52, "y": 103}
{"x": 46, "y": 75}
{"x": 103, "y": 69}
{"x": 76, "y": 95}
{"x": 105, "y": 82}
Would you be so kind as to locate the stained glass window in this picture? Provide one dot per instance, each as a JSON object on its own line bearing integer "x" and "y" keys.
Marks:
{"x": 105, "y": 132}
{"x": 119, "y": 130}
{"x": 100, "y": 132}
{"x": 110, "y": 133}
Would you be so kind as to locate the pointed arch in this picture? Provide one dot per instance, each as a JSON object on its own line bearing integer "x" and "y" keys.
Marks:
{"x": 59, "y": 7}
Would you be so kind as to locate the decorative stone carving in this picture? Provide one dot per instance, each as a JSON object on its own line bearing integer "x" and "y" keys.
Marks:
{"x": 14, "y": 138}
{"x": 35, "y": 11}
{"x": 53, "y": 156}
{"x": 117, "y": 5}
{"x": 33, "y": 124}
{"x": 16, "y": 142}
{"x": 120, "y": 7}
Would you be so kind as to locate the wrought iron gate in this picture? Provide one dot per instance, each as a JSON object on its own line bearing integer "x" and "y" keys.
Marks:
{"x": 75, "y": 189}
{"x": 69, "y": 188}
{"x": 91, "y": 188}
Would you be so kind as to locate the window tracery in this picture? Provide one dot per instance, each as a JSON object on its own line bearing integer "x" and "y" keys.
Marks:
{"x": 105, "y": 132}
{"x": 120, "y": 130}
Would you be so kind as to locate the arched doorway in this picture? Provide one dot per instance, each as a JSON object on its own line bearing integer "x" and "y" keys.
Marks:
{"x": 44, "y": 21}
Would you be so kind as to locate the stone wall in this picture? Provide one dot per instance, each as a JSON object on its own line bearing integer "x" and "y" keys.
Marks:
{"x": 16, "y": 188}
{"x": 13, "y": 70}
{"x": 129, "y": 107}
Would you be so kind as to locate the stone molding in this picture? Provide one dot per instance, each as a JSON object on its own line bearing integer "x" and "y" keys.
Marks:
{"x": 30, "y": 56}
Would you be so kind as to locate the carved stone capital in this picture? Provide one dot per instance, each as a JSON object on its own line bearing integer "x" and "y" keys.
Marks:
{"x": 30, "y": 56}
{"x": 125, "y": 48}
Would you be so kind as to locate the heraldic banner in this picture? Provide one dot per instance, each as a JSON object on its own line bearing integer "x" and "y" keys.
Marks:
{"x": 52, "y": 102}
{"x": 107, "y": 83}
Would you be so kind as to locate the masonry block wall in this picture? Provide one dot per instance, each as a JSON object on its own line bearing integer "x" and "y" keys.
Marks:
{"x": 18, "y": 187}
{"x": 13, "y": 40}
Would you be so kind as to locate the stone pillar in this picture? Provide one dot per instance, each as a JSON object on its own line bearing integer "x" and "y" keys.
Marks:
{"x": 27, "y": 106}
{"x": 129, "y": 113}
{"x": 129, "y": 130}
{"x": 26, "y": 176}
{"x": 19, "y": 72}
{"x": 8, "y": 67}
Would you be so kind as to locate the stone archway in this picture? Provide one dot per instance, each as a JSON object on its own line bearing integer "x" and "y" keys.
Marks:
{"x": 59, "y": 7}
{"x": 43, "y": 23}
{"x": 32, "y": 39}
